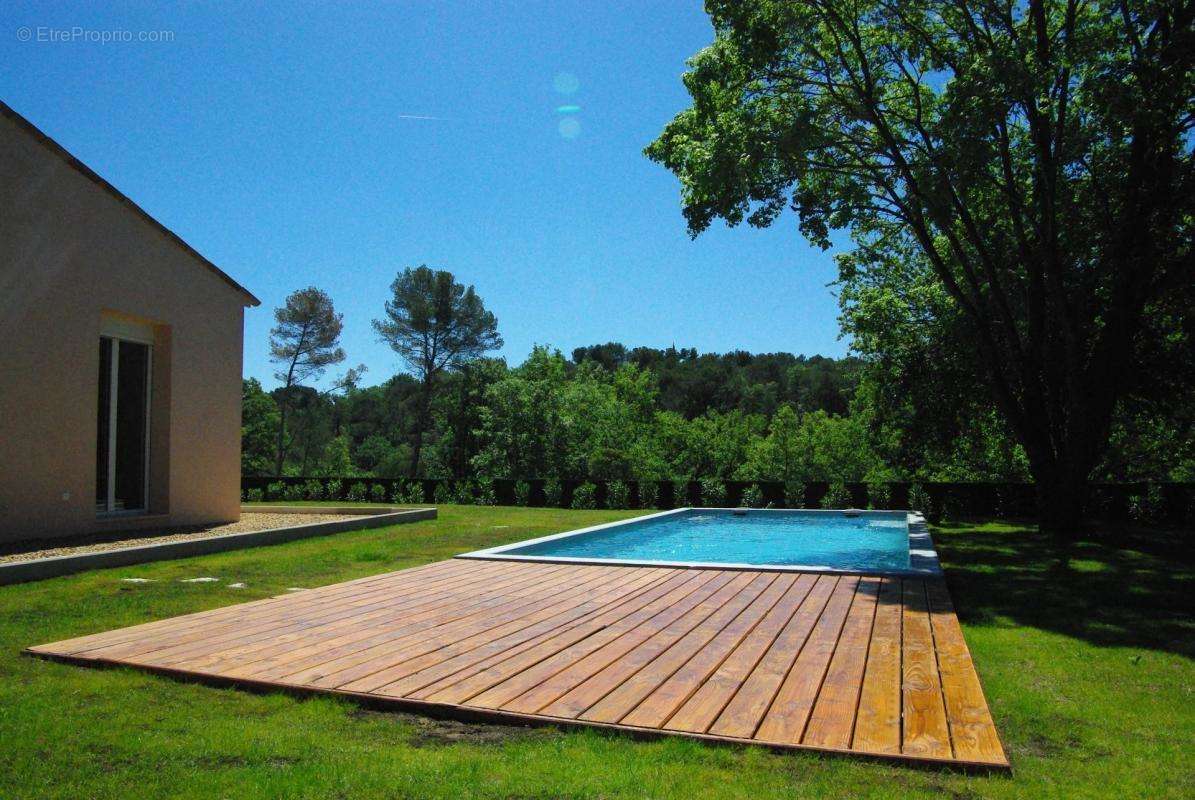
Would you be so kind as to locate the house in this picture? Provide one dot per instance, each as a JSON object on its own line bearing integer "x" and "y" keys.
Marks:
{"x": 120, "y": 374}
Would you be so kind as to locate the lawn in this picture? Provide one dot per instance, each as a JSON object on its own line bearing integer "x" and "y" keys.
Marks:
{"x": 1090, "y": 671}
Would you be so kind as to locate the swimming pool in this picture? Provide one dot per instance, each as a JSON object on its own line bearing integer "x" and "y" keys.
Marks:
{"x": 856, "y": 542}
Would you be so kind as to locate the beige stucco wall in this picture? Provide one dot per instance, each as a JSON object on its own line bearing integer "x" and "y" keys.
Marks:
{"x": 70, "y": 252}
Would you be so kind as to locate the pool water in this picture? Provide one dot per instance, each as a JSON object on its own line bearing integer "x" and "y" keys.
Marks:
{"x": 870, "y": 541}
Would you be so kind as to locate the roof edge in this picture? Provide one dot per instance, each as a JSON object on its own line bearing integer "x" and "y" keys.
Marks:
{"x": 122, "y": 198}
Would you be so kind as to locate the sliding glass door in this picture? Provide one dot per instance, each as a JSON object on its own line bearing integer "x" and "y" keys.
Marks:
{"x": 122, "y": 443}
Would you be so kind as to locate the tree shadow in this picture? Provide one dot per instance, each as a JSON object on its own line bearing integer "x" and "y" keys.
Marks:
{"x": 1112, "y": 586}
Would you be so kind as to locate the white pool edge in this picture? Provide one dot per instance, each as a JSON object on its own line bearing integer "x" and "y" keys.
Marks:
{"x": 923, "y": 557}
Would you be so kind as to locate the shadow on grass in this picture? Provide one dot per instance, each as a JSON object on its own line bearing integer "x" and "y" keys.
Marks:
{"x": 1113, "y": 586}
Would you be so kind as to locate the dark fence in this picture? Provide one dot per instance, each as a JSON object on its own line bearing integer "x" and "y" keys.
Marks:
{"x": 1165, "y": 503}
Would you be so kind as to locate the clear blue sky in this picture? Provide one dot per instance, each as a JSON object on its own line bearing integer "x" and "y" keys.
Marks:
{"x": 288, "y": 145}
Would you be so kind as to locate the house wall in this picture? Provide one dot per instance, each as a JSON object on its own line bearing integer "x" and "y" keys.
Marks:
{"x": 72, "y": 252}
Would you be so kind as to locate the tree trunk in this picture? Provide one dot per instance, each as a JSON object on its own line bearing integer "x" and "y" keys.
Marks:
{"x": 1061, "y": 498}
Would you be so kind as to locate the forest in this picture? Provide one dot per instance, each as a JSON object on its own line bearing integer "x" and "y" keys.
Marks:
{"x": 609, "y": 411}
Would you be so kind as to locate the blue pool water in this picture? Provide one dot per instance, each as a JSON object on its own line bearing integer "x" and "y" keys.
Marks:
{"x": 870, "y": 541}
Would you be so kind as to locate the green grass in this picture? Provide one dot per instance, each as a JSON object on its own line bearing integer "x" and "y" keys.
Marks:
{"x": 1089, "y": 670}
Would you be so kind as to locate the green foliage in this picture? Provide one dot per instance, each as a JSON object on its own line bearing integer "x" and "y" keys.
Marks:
{"x": 443, "y": 494}
{"x": 522, "y": 491}
{"x": 292, "y": 491}
{"x": 713, "y": 493}
{"x": 649, "y": 494}
{"x": 680, "y": 493}
{"x": 313, "y": 490}
{"x": 412, "y": 493}
{"x": 618, "y": 495}
{"x": 837, "y": 496}
{"x": 919, "y": 499}
{"x": 553, "y": 493}
{"x": 333, "y": 489}
{"x": 255, "y": 496}
{"x": 794, "y": 494}
{"x": 879, "y": 495}
{"x": 484, "y": 496}
{"x": 275, "y": 490}
{"x": 377, "y": 493}
{"x": 357, "y": 493}
{"x": 585, "y": 496}
{"x": 752, "y": 497}
{"x": 1018, "y": 181}
{"x": 1146, "y": 506}
{"x": 259, "y": 427}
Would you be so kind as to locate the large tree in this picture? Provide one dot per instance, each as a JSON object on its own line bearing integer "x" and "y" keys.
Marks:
{"x": 434, "y": 323}
{"x": 304, "y": 342}
{"x": 1033, "y": 158}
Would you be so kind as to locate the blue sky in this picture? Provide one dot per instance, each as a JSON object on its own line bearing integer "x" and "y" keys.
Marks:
{"x": 288, "y": 144}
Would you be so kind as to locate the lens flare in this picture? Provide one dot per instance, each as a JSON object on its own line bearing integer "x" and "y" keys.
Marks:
{"x": 566, "y": 82}
{"x": 569, "y": 127}
{"x": 568, "y": 109}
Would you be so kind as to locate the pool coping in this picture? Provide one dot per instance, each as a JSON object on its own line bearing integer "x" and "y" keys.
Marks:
{"x": 923, "y": 557}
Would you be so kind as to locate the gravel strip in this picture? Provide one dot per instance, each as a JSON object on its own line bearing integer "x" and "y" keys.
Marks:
{"x": 248, "y": 522}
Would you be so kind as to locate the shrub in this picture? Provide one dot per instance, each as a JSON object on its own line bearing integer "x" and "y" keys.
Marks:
{"x": 752, "y": 497}
{"x": 463, "y": 493}
{"x": 919, "y": 499}
{"x": 333, "y": 489}
{"x": 585, "y": 496}
{"x": 413, "y": 493}
{"x": 275, "y": 490}
{"x": 1146, "y": 506}
{"x": 357, "y": 493}
{"x": 680, "y": 492}
{"x": 377, "y": 493}
{"x": 713, "y": 492}
{"x": 837, "y": 496}
{"x": 618, "y": 495}
{"x": 485, "y": 493}
{"x": 293, "y": 491}
{"x": 879, "y": 495}
{"x": 522, "y": 493}
{"x": 255, "y": 495}
{"x": 553, "y": 493}
{"x": 313, "y": 490}
{"x": 794, "y": 494}
{"x": 649, "y": 494}
{"x": 443, "y": 494}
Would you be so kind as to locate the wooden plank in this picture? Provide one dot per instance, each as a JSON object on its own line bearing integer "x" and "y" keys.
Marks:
{"x": 704, "y": 706}
{"x": 833, "y": 717}
{"x": 229, "y": 642}
{"x": 293, "y": 606}
{"x": 347, "y": 638}
{"x": 877, "y": 723}
{"x": 662, "y": 703}
{"x": 630, "y": 666}
{"x": 367, "y": 651}
{"x": 615, "y": 705}
{"x": 494, "y": 668}
{"x": 786, "y": 718}
{"x": 85, "y": 644}
{"x": 528, "y": 678}
{"x": 924, "y": 710}
{"x": 744, "y": 712}
{"x": 442, "y": 644}
{"x": 577, "y": 670}
{"x": 838, "y": 664}
{"x": 523, "y": 637}
{"x": 972, "y": 731}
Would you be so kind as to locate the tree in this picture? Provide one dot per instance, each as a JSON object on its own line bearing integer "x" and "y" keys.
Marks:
{"x": 1034, "y": 159}
{"x": 434, "y": 323}
{"x": 259, "y": 424}
{"x": 305, "y": 341}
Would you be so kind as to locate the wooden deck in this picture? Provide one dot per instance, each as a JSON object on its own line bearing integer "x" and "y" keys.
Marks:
{"x": 863, "y": 665}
